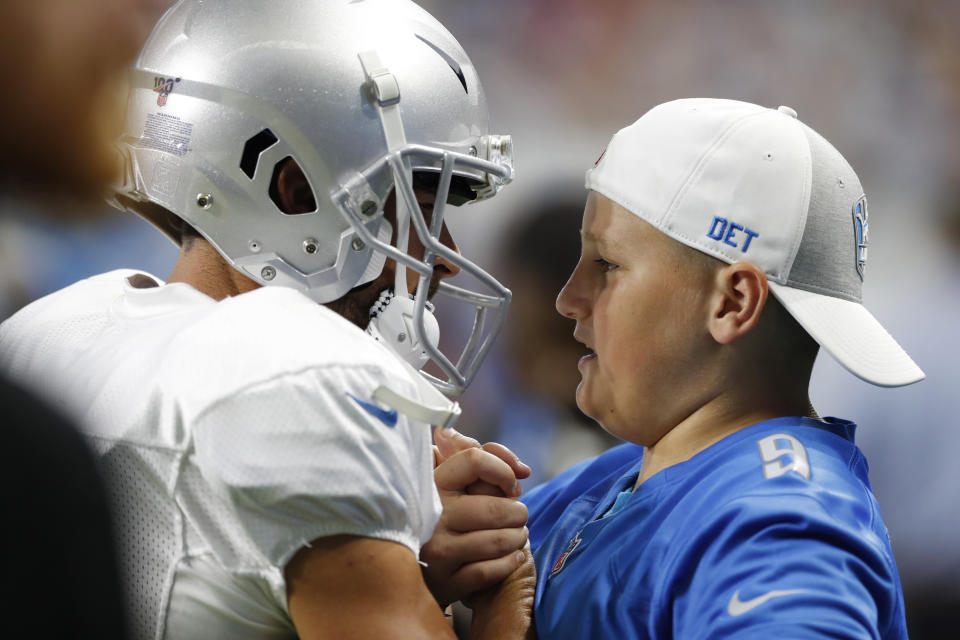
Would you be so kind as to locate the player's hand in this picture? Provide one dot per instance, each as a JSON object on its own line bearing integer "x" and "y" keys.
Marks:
{"x": 482, "y": 528}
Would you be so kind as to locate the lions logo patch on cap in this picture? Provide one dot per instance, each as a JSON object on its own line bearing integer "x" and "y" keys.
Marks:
{"x": 861, "y": 234}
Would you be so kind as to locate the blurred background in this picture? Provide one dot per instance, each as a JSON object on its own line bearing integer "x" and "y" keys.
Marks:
{"x": 879, "y": 78}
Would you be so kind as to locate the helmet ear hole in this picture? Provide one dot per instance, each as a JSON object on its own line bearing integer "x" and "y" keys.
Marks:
{"x": 290, "y": 190}
{"x": 252, "y": 150}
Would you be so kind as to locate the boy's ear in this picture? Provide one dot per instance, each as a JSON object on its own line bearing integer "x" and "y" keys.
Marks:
{"x": 740, "y": 293}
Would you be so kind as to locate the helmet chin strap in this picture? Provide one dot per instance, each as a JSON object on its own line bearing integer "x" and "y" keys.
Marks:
{"x": 391, "y": 323}
{"x": 392, "y": 320}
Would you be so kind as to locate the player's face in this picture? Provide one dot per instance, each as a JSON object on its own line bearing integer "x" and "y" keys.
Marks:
{"x": 355, "y": 306}
{"x": 639, "y": 309}
{"x": 441, "y": 268}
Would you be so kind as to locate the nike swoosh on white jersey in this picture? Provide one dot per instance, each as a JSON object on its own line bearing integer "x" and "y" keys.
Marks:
{"x": 736, "y": 607}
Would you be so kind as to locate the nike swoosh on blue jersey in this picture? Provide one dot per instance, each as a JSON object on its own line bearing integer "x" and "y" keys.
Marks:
{"x": 737, "y": 607}
{"x": 386, "y": 416}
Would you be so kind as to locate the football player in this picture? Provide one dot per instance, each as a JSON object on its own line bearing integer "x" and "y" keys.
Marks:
{"x": 261, "y": 416}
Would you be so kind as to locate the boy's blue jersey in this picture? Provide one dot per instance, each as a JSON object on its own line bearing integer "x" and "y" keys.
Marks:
{"x": 773, "y": 532}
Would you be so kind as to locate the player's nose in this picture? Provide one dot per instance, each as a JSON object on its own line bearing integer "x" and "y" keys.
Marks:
{"x": 448, "y": 269}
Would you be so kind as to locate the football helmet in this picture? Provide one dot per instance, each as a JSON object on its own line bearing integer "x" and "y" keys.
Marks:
{"x": 363, "y": 95}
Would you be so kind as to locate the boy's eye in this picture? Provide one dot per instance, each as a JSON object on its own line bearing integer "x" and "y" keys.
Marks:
{"x": 604, "y": 265}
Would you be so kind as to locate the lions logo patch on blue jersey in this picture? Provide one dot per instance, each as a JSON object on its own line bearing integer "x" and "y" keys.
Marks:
{"x": 861, "y": 233}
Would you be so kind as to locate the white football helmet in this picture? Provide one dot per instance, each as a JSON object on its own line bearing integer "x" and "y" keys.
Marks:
{"x": 362, "y": 95}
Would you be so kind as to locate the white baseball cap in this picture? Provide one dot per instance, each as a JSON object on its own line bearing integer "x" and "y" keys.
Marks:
{"x": 742, "y": 182}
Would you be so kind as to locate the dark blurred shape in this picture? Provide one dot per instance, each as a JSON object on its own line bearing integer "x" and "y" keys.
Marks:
{"x": 537, "y": 260}
{"x": 60, "y": 578}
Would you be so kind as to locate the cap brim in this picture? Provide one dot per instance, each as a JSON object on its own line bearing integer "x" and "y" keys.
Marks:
{"x": 851, "y": 335}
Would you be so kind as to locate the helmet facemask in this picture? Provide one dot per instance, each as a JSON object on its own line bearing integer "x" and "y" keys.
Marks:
{"x": 411, "y": 337}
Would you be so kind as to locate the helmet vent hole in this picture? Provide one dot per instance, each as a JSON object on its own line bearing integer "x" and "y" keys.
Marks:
{"x": 252, "y": 150}
{"x": 290, "y": 190}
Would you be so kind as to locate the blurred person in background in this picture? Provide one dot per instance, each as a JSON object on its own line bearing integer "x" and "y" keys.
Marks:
{"x": 531, "y": 406}
{"x": 64, "y": 77}
{"x": 61, "y": 65}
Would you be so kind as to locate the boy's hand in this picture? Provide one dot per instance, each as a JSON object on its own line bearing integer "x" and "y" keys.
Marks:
{"x": 505, "y": 612}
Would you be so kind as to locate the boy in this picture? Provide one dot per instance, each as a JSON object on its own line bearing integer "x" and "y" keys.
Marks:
{"x": 735, "y": 510}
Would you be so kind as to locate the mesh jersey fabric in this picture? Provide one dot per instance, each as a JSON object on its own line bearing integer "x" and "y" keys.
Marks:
{"x": 771, "y": 532}
{"x": 230, "y": 433}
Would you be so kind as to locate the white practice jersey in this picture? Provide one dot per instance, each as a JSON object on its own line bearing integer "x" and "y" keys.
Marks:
{"x": 231, "y": 434}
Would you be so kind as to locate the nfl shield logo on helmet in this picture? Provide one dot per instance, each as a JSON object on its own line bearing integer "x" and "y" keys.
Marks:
{"x": 164, "y": 87}
{"x": 861, "y": 234}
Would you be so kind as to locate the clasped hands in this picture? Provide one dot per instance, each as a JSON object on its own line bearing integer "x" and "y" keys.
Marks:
{"x": 481, "y": 539}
